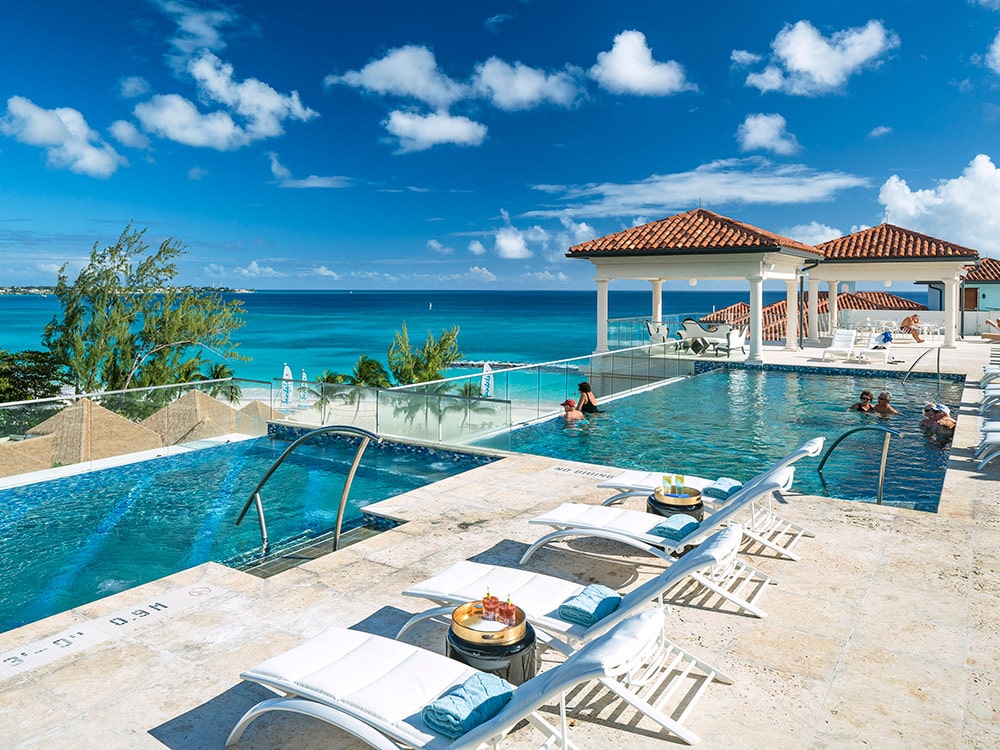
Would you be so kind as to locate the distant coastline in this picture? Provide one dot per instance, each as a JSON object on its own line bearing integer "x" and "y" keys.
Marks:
{"x": 44, "y": 291}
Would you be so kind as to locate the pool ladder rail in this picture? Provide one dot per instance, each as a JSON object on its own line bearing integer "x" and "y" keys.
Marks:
{"x": 889, "y": 432}
{"x": 255, "y": 499}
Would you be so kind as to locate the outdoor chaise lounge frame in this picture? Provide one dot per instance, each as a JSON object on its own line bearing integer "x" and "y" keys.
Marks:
{"x": 712, "y": 564}
{"x": 632, "y": 483}
{"x": 750, "y": 507}
{"x": 875, "y": 348}
{"x": 375, "y": 688}
{"x": 842, "y": 343}
{"x": 713, "y": 333}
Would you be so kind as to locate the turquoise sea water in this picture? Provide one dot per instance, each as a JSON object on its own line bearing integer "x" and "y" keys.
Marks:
{"x": 316, "y": 331}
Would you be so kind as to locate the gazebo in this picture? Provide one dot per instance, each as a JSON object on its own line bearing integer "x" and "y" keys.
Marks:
{"x": 699, "y": 244}
{"x": 888, "y": 253}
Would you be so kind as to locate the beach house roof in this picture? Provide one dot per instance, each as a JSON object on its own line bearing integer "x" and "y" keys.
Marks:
{"x": 988, "y": 272}
{"x": 697, "y": 232}
{"x": 887, "y": 242}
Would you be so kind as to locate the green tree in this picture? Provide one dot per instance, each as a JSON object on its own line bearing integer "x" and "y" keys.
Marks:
{"x": 369, "y": 372}
{"x": 409, "y": 365}
{"x": 28, "y": 375}
{"x": 230, "y": 390}
{"x": 122, "y": 323}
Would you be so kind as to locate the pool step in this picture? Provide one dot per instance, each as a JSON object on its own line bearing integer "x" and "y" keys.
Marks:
{"x": 296, "y": 553}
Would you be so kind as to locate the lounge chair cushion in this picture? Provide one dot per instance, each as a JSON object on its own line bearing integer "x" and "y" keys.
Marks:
{"x": 478, "y": 699}
{"x": 722, "y": 488}
{"x": 591, "y": 605}
{"x": 675, "y": 527}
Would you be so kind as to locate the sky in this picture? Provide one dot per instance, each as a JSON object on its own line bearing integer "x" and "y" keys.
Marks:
{"x": 393, "y": 144}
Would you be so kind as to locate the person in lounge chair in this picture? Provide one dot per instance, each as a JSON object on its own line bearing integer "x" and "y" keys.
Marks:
{"x": 865, "y": 403}
{"x": 570, "y": 412}
{"x": 588, "y": 403}
{"x": 882, "y": 406}
{"x": 909, "y": 325}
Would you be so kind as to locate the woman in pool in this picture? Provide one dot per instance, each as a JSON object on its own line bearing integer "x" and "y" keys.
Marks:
{"x": 864, "y": 404}
{"x": 588, "y": 404}
{"x": 882, "y": 406}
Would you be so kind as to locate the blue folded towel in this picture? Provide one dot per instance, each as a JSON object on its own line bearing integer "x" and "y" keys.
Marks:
{"x": 722, "y": 488}
{"x": 675, "y": 527}
{"x": 466, "y": 706}
{"x": 592, "y": 604}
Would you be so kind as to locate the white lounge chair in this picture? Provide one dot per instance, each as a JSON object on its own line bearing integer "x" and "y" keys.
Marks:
{"x": 375, "y": 688}
{"x": 659, "y": 333}
{"x": 735, "y": 339}
{"x": 842, "y": 343}
{"x": 875, "y": 347}
{"x": 632, "y": 483}
{"x": 750, "y": 506}
{"x": 712, "y": 564}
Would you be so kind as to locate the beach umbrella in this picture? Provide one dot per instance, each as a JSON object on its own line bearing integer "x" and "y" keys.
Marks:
{"x": 486, "y": 383}
{"x": 286, "y": 386}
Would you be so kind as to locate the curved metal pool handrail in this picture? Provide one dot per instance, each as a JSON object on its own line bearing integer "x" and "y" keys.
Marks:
{"x": 255, "y": 499}
{"x": 924, "y": 354}
{"x": 885, "y": 452}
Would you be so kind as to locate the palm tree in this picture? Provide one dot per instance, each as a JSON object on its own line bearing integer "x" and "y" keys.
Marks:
{"x": 230, "y": 390}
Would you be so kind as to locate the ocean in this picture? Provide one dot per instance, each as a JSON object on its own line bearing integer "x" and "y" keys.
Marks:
{"x": 325, "y": 330}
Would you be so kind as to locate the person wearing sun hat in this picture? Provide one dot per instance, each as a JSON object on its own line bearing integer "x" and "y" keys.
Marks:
{"x": 570, "y": 411}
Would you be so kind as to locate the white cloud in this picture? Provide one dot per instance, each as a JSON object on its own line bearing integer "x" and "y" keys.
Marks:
{"x": 812, "y": 233}
{"x": 991, "y": 4}
{"x": 261, "y": 109}
{"x": 68, "y": 141}
{"x": 753, "y": 180}
{"x": 743, "y": 58}
{"x": 964, "y": 210}
{"x": 256, "y": 271}
{"x": 410, "y": 72}
{"x": 279, "y": 170}
{"x": 629, "y": 68}
{"x": 197, "y": 30}
{"x": 128, "y": 135}
{"x": 51, "y": 269}
{"x": 437, "y": 247}
{"x": 214, "y": 269}
{"x": 133, "y": 86}
{"x": 513, "y": 87}
{"x": 808, "y": 64}
{"x": 993, "y": 55}
{"x": 324, "y": 271}
{"x": 481, "y": 273}
{"x": 879, "y": 131}
{"x": 420, "y": 132}
{"x": 374, "y": 276}
{"x": 196, "y": 173}
{"x": 766, "y": 132}
{"x": 510, "y": 244}
{"x": 285, "y": 179}
{"x": 476, "y": 248}
{"x": 547, "y": 276}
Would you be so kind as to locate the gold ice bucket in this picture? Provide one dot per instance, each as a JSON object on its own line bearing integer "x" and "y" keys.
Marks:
{"x": 468, "y": 624}
{"x": 690, "y": 496}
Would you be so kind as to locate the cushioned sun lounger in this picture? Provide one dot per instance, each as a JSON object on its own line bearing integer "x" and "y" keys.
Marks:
{"x": 750, "y": 506}
{"x": 712, "y": 564}
{"x": 633, "y": 483}
{"x": 376, "y": 688}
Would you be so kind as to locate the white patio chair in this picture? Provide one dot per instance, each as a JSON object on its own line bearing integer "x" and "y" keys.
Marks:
{"x": 842, "y": 343}
{"x": 877, "y": 346}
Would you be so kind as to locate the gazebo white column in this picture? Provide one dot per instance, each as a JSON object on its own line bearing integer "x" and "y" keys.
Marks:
{"x": 756, "y": 318}
{"x": 834, "y": 312}
{"x": 951, "y": 287}
{"x": 792, "y": 318}
{"x": 813, "y": 307}
{"x": 657, "y": 306}
{"x": 602, "y": 316}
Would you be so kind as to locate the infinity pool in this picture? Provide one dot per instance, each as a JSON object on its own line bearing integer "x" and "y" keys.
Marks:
{"x": 737, "y": 422}
{"x": 69, "y": 541}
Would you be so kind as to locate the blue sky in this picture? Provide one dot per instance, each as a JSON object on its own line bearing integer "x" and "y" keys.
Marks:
{"x": 466, "y": 145}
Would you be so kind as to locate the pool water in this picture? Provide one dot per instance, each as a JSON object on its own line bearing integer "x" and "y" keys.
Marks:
{"x": 738, "y": 422}
{"x": 72, "y": 540}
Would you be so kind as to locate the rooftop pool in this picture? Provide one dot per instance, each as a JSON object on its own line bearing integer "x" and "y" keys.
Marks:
{"x": 72, "y": 540}
{"x": 736, "y": 422}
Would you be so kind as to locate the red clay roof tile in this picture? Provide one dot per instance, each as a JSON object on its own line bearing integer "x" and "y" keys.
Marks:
{"x": 889, "y": 242}
{"x": 989, "y": 270}
{"x": 687, "y": 233}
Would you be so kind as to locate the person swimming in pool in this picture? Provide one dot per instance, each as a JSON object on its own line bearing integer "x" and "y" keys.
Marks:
{"x": 865, "y": 403}
{"x": 570, "y": 412}
{"x": 588, "y": 404}
{"x": 882, "y": 406}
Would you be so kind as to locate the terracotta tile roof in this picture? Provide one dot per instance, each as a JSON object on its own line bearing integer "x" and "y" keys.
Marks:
{"x": 989, "y": 270}
{"x": 774, "y": 314}
{"x": 692, "y": 232}
{"x": 889, "y": 242}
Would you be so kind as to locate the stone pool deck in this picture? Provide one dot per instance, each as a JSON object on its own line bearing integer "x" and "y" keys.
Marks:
{"x": 885, "y": 634}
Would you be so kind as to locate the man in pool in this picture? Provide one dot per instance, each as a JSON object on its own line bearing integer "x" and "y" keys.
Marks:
{"x": 570, "y": 412}
{"x": 882, "y": 406}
